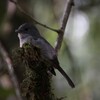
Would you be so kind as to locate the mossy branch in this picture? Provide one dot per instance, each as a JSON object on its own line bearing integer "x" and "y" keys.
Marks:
{"x": 36, "y": 84}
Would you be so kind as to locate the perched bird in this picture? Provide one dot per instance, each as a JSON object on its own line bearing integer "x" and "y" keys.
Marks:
{"x": 28, "y": 33}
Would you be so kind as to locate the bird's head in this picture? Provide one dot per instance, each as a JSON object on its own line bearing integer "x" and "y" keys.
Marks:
{"x": 27, "y": 29}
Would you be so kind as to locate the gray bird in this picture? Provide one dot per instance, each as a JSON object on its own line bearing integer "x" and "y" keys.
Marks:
{"x": 28, "y": 33}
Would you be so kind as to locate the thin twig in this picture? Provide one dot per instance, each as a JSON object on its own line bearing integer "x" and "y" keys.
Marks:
{"x": 10, "y": 69}
{"x": 63, "y": 26}
{"x": 31, "y": 17}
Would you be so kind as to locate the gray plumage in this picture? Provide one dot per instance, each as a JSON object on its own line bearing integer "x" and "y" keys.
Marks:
{"x": 28, "y": 33}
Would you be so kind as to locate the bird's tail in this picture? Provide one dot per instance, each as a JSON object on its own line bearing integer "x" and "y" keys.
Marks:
{"x": 66, "y": 76}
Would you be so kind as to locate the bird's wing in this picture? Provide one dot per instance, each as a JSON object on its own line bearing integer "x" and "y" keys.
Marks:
{"x": 47, "y": 52}
{"x": 46, "y": 49}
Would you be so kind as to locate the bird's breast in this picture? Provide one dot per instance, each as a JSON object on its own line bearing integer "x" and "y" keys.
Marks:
{"x": 24, "y": 40}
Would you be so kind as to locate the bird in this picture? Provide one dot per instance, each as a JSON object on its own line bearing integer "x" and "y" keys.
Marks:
{"x": 28, "y": 33}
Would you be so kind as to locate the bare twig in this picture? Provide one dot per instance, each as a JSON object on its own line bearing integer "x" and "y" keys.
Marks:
{"x": 31, "y": 17}
{"x": 63, "y": 26}
{"x": 8, "y": 61}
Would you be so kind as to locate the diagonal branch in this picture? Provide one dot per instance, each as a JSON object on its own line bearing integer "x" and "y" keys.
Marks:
{"x": 10, "y": 69}
{"x": 31, "y": 17}
{"x": 61, "y": 31}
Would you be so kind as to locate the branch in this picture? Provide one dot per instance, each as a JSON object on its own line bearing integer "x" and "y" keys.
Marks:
{"x": 8, "y": 61}
{"x": 31, "y": 17}
{"x": 36, "y": 83}
{"x": 61, "y": 31}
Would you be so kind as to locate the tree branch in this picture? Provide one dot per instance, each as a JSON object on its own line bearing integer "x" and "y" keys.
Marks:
{"x": 36, "y": 83}
{"x": 8, "y": 61}
{"x": 31, "y": 17}
{"x": 63, "y": 26}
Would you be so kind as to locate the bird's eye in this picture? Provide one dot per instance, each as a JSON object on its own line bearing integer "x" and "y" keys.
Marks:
{"x": 26, "y": 29}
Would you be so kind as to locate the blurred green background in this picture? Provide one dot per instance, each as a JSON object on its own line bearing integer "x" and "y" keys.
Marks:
{"x": 80, "y": 52}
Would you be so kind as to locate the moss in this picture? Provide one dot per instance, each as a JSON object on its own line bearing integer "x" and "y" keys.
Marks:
{"x": 36, "y": 84}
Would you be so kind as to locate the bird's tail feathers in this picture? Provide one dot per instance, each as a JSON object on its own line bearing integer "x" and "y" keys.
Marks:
{"x": 70, "y": 82}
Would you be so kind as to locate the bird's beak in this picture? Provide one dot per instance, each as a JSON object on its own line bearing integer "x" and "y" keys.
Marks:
{"x": 18, "y": 30}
